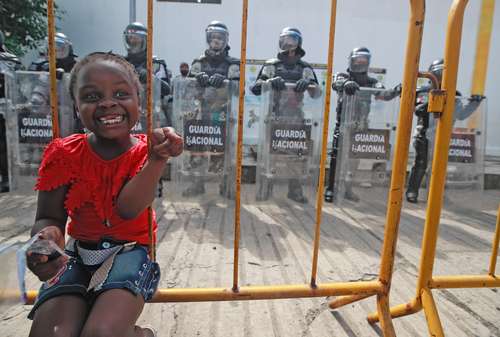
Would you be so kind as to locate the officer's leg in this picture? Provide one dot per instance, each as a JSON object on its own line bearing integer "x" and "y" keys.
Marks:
{"x": 295, "y": 192}
{"x": 349, "y": 180}
{"x": 265, "y": 188}
{"x": 197, "y": 185}
{"x": 419, "y": 168}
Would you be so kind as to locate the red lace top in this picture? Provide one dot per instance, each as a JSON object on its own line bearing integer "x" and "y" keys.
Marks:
{"x": 94, "y": 184}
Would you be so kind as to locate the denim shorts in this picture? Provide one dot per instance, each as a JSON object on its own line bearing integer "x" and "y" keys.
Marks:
{"x": 132, "y": 270}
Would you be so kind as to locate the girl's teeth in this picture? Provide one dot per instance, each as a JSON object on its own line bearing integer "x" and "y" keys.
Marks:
{"x": 109, "y": 121}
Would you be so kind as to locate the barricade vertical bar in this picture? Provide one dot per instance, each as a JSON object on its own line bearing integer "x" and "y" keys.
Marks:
{"x": 483, "y": 47}
{"x": 326, "y": 121}
{"x": 443, "y": 134}
{"x": 482, "y": 52}
{"x": 399, "y": 162}
{"x": 149, "y": 115}
{"x": 239, "y": 150}
{"x": 494, "y": 251}
{"x": 439, "y": 169}
{"x": 52, "y": 69}
{"x": 431, "y": 314}
{"x": 403, "y": 135}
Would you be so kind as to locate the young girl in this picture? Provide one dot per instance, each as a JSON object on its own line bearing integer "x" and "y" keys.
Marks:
{"x": 104, "y": 181}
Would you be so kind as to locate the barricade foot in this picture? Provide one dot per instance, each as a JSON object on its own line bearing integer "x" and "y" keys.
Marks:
{"x": 399, "y": 310}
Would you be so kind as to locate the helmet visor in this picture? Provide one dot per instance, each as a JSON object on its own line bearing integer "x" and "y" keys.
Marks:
{"x": 134, "y": 42}
{"x": 289, "y": 42}
{"x": 359, "y": 64}
{"x": 217, "y": 38}
{"x": 437, "y": 70}
{"x": 63, "y": 48}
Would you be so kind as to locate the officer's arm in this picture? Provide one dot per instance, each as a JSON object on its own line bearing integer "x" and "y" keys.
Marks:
{"x": 383, "y": 94}
{"x": 339, "y": 79}
{"x": 233, "y": 73}
{"x": 465, "y": 111}
{"x": 195, "y": 69}
{"x": 265, "y": 73}
{"x": 314, "y": 90}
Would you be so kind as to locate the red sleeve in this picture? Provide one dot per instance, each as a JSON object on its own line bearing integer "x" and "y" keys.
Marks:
{"x": 57, "y": 167}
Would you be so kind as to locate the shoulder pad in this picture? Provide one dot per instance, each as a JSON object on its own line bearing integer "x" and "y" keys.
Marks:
{"x": 232, "y": 60}
{"x": 200, "y": 59}
{"x": 304, "y": 64}
{"x": 272, "y": 61}
{"x": 6, "y": 56}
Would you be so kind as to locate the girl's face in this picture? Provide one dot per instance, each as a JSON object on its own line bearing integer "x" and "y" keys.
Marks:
{"x": 107, "y": 99}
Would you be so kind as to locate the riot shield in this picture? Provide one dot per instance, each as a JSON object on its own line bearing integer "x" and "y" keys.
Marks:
{"x": 205, "y": 117}
{"x": 289, "y": 144}
{"x": 10, "y": 293}
{"x": 465, "y": 172}
{"x": 367, "y": 133}
{"x": 29, "y": 123}
{"x": 159, "y": 118}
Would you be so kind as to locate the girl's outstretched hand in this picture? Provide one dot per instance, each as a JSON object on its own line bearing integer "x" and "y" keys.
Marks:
{"x": 40, "y": 264}
{"x": 166, "y": 143}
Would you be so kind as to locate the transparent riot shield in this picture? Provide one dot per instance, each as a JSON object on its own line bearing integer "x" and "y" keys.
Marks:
{"x": 465, "y": 172}
{"x": 10, "y": 293}
{"x": 289, "y": 144}
{"x": 159, "y": 118}
{"x": 29, "y": 123}
{"x": 367, "y": 133}
{"x": 206, "y": 117}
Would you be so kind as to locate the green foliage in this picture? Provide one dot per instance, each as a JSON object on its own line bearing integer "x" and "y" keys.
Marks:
{"x": 24, "y": 23}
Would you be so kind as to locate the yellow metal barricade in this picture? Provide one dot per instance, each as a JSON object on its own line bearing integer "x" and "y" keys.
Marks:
{"x": 426, "y": 280}
{"x": 352, "y": 291}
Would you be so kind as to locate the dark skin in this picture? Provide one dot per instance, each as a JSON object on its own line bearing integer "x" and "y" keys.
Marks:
{"x": 108, "y": 104}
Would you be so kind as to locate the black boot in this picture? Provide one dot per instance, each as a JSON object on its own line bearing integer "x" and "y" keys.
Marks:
{"x": 414, "y": 181}
{"x": 295, "y": 192}
{"x": 349, "y": 193}
{"x": 196, "y": 188}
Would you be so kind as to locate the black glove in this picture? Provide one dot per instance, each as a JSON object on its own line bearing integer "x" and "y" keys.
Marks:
{"x": 216, "y": 80}
{"x": 203, "y": 79}
{"x": 476, "y": 98}
{"x": 278, "y": 83}
{"x": 397, "y": 89}
{"x": 59, "y": 73}
{"x": 421, "y": 110}
{"x": 302, "y": 85}
{"x": 350, "y": 87}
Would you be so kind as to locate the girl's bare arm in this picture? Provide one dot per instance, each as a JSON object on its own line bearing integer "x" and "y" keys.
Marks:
{"x": 139, "y": 192}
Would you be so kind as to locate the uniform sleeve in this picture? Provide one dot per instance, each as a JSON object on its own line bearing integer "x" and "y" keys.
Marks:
{"x": 55, "y": 169}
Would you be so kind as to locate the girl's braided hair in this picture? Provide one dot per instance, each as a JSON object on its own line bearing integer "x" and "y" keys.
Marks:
{"x": 98, "y": 56}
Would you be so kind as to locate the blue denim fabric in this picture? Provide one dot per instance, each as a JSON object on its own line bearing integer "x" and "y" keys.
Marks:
{"x": 131, "y": 270}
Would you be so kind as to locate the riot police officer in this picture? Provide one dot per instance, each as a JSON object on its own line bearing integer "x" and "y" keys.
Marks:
{"x": 135, "y": 40}
{"x": 421, "y": 142}
{"x": 8, "y": 63}
{"x": 288, "y": 67}
{"x": 215, "y": 65}
{"x": 210, "y": 70}
{"x": 349, "y": 83}
{"x": 65, "y": 57}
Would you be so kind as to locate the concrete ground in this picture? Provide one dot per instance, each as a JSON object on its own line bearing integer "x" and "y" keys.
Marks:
{"x": 195, "y": 241}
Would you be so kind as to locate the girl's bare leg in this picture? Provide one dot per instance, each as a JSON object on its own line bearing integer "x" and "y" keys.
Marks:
{"x": 60, "y": 316}
{"x": 114, "y": 315}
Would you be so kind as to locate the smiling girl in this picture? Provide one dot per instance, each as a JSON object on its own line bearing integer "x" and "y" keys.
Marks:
{"x": 103, "y": 181}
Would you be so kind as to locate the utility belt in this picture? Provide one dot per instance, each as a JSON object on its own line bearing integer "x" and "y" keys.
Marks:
{"x": 98, "y": 254}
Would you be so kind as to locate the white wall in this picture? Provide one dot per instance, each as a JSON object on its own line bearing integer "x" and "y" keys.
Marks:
{"x": 380, "y": 25}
